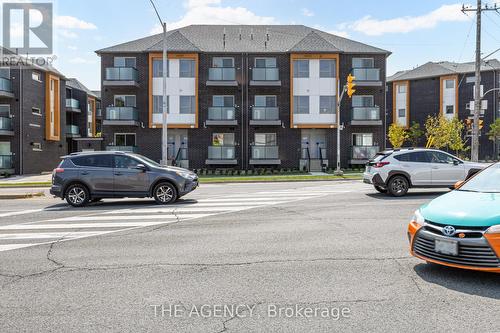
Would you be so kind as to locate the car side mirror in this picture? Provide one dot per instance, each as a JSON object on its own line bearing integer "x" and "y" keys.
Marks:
{"x": 141, "y": 167}
{"x": 458, "y": 184}
{"x": 456, "y": 162}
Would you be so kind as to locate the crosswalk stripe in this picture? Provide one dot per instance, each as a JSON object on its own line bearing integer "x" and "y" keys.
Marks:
{"x": 128, "y": 217}
{"x": 78, "y": 225}
{"x": 191, "y": 208}
{"x": 46, "y": 235}
{"x": 7, "y": 247}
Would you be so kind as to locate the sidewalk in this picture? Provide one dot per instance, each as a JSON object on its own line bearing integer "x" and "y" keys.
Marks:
{"x": 23, "y": 192}
{"x": 26, "y": 179}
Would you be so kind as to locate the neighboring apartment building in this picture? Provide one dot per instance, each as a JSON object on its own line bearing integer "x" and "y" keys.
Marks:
{"x": 444, "y": 88}
{"x": 245, "y": 97}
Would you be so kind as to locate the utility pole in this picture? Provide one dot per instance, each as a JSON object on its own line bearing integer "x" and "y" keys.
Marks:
{"x": 164, "y": 131}
{"x": 477, "y": 87}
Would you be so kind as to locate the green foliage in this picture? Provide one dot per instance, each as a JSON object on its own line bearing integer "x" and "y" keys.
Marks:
{"x": 397, "y": 135}
{"x": 494, "y": 132}
{"x": 415, "y": 133}
{"x": 445, "y": 133}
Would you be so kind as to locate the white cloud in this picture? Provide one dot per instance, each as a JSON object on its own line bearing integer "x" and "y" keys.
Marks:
{"x": 211, "y": 12}
{"x": 71, "y": 22}
{"x": 306, "y": 12}
{"x": 80, "y": 60}
{"x": 66, "y": 33}
{"x": 344, "y": 34}
{"x": 72, "y": 47}
{"x": 375, "y": 27}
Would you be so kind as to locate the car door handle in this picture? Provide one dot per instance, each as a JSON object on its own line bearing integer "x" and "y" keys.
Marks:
{"x": 435, "y": 167}
{"x": 118, "y": 174}
{"x": 85, "y": 173}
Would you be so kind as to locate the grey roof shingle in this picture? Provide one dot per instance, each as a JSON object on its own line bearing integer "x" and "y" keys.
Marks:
{"x": 434, "y": 69}
{"x": 246, "y": 38}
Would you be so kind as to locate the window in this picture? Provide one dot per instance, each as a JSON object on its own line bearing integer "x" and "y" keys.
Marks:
{"x": 186, "y": 68}
{"x": 125, "y": 139}
{"x": 125, "y": 62}
{"x": 362, "y": 139}
{"x": 158, "y": 104}
{"x": 326, "y": 104}
{"x": 5, "y": 72}
{"x": 223, "y": 139}
{"x": 450, "y": 109}
{"x": 401, "y": 113}
{"x": 223, "y": 62}
{"x": 187, "y": 105}
{"x": 419, "y": 157}
{"x": 403, "y": 157}
{"x": 37, "y": 76}
{"x": 265, "y": 62}
{"x": 158, "y": 67}
{"x": 125, "y": 100}
{"x": 301, "y": 104}
{"x": 402, "y": 88}
{"x": 362, "y": 101}
{"x": 37, "y": 146}
{"x": 5, "y": 110}
{"x": 265, "y": 139}
{"x": 327, "y": 68}
{"x": 97, "y": 161}
{"x": 438, "y": 157}
{"x": 265, "y": 101}
{"x": 362, "y": 63}
{"x": 449, "y": 84}
{"x": 301, "y": 68}
{"x": 125, "y": 162}
{"x": 223, "y": 101}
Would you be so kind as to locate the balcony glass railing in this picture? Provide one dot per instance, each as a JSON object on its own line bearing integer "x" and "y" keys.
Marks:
{"x": 6, "y": 162}
{"x": 72, "y": 103}
{"x": 5, "y": 124}
{"x": 265, "y": 113}
{"x": 122, "y": 113}
{"x": 265, "y": 74}
{"x": 132, "y": 149}
{"x": 366, "y": 74}
{"x": 222, "y": 74}
{"x": 265, "y": 152}
{"x": 366, "y": 113}
{"x": 72, "y": 129}
{"x": 221, "y": 113}
{"x": 221, "y": 152}
{"x": 98, "y": 112}
{"x": 121, "y": 74}
{"x": 5, "y": 84}
{"x": 364, "y": 152}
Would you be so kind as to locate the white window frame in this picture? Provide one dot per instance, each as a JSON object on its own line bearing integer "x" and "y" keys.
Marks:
{"x": 372, "y": 60}
{"x": 265, "y": 143}
{"x": 36, "y": 76}
{"x": 296, "y": 69}
{"x": 400, "y": 90}
{"x": 452, "y": 82}
{"x": 265, "y": 97}
{"x": 223, "y": 96}
{"x": 265, "y": 59}
{"x": 125, "y": 62}
{"x": 355, "y": 97}
{"x": 37, "y": 146}
{"x": 224, "y": 134}
{"x": 134, "y": 134}
{"x": 222, "y": 61}
{"x": 124, "y": 100}
{"x": 362, "y": 134}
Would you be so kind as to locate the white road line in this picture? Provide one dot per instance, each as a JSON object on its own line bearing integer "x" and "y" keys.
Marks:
{"x": 190, "y": 208}
{"x": 7, "y": 247}
{"x": 32, "y": 235}
{"x": 20, "y": 212}
{"x": 128, "y": 217}
{"x": 78, "y": 225}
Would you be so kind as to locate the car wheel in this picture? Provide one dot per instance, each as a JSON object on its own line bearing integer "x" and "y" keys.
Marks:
{"x": 380, "y": 189}
{"x": 398, "y": 186}
{"x": 164, "y": 193}
{"x": 77, "y": 195}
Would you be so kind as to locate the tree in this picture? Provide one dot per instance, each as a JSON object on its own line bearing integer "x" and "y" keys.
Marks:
{"x": 397, "y": 135}
{"x": 456, "y": 140}
{"x": 415, "y": 133}
{"x": 494, "y": 132}
{"x": 445, "y": 133}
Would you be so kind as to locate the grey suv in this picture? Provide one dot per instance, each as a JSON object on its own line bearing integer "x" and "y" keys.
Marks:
{"x": 81, "y": 178}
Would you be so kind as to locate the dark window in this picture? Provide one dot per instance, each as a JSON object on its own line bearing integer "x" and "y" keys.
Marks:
{"x": 438, "y": 157}
{"x": 125, "y": 162}
{"x": 419, "y": 156}
{"x": 301, "y": 68}
{"x": 327, "y": 68}
{"x": 186, "y": 68}
{"x": 158, "y": 67}
{"x": 403, "y": 157}
{"x": 97, "y": 161}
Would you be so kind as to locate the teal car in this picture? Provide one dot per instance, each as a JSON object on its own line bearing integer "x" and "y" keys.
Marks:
{"x": 461, "y": 228}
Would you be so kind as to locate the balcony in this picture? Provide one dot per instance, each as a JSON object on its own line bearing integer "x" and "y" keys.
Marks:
{"x": 6, "y": 163}
{"x": 222, "y": 116}
{"x": 368, "y": 77}
{"x": 265, "y": 116}
{"x": 221, "y": 155}
{"x": 220, "y": 76}
{"x": 6, "y": 127}
{"x": 121, "y": 76}
{"x": 72, "y": 131}
{"x": 265, "y": 155}
{"x": 73, "y": 105}
{"x": 6, "y": 88}
{"x": 265, "y": 77}
{"x": 362, "y": 154}
{"x": 121, "y": 115}
{"x": 98, "y": 113}
{"x": 130, "y": 149}
{"x": 366, "y": 115}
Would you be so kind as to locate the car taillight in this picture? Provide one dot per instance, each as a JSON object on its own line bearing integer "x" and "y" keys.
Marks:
{"x": 58, "y": 170}
{"x": 380, "y": 164}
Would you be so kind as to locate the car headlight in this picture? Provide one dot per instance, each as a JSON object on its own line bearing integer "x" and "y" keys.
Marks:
{"x": 418, "y": 218}
{"x": 185, "y": 174}
{"x": 493, "y": 229}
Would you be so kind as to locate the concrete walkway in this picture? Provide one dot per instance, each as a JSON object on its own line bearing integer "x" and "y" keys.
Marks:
{"x": 26, "y": 179}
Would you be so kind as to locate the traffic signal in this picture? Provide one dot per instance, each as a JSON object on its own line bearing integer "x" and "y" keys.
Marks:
{"x": 468, "y": 123}
{"x": 481, "y": 123}
{"x": 350, "y": 85}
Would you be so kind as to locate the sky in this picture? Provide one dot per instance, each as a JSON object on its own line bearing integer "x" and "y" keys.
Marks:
{"x": 414, "y": 31}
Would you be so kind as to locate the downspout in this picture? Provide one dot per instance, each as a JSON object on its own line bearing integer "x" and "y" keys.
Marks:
{"x": 247, "y": 113}
{"x": 21, "y": 123}
{"x": 242, "y": 137}
{"x": 385, "y": 106}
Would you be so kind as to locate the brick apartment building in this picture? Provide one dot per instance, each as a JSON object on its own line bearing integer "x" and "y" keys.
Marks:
{"x": 244, "y": 97}
{"x": 38, "y": 121}
{"x": 444, "y": 88}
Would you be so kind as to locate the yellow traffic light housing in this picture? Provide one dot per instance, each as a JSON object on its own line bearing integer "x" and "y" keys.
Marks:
{"x": 350, "y": 85}
{"x": 481, "y": 123}
{"x": 468, "y": 123}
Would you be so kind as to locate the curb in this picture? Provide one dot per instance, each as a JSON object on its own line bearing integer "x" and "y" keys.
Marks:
{"x": 278, "y": 181}
{"x": 21, "y": 196}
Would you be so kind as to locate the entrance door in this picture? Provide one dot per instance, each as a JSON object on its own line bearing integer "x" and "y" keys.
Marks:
{"x": 314, "y": 141}
{"x": 5, "y": 155}
{"x": 177, "y": 145}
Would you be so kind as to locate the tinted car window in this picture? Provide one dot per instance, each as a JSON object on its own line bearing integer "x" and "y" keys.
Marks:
{"x": 98, "y": 161}
{"x": 419, "y": 156}
{"x": 125, "y": 162}
{"x": 438, "y": 157}
{"x": 403, "y": 157}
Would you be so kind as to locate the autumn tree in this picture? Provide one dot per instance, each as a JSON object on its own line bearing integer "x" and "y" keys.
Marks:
{"x": 415, "y": 133}
{"x": 397, "y": 135}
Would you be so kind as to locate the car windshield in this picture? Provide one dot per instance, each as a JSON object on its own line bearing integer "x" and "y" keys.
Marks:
{"x": 148, "y": 160}
{"x": 487, "y": 181}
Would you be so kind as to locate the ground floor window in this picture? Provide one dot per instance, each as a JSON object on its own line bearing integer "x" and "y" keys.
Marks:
{"x": 450, "y": 109}
{"x": 125, "y": 139}
{"x": 223, "y": 139}
{"x": 362, "y": 139}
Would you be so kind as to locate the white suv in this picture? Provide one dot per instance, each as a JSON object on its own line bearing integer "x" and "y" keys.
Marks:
{"x": 395, "y": 171}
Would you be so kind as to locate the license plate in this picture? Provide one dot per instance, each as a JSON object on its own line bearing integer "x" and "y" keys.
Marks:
{"x": 446, "y": 247}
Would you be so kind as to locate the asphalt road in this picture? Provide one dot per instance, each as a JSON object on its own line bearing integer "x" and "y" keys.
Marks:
{"x": 235, "y": 258}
